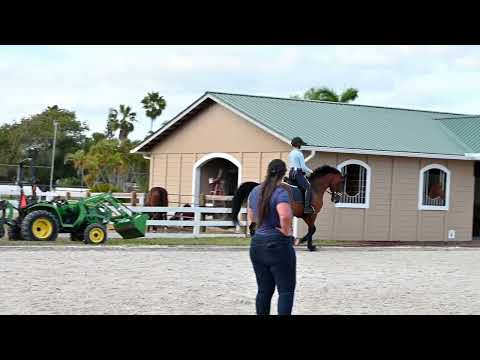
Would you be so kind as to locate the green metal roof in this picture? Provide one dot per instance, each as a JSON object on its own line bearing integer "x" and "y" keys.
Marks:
{"x": 466, "y": 128}
{"x": 339, "y": 125}
{"x": 344, "y": 126}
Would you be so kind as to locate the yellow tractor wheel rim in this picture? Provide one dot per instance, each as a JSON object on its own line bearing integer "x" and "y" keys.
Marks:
{"x": 96, "y": 235}
{"x": 42, "y": 228}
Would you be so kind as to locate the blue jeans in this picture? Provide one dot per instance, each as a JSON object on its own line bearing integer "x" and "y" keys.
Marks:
{"x": 274, "y": 262}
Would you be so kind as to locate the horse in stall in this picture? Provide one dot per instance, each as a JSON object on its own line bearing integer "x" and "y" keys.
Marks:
{"x": 324, "y": 178}
{"x": 157, "y": 196}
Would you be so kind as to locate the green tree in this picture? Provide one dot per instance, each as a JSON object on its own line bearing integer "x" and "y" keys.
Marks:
{"x": 121, "y": 120}
{"x": 110, "y": 162}
{"x": 154, "y": 104}
{"x": 78, "y": 159}
{"x": 37, "y": 130}
{"x": 327, "y": 94}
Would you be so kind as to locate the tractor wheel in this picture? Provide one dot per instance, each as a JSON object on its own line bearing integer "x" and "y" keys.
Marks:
{"x": 40, "y": 225}
{"x": 15, "y": 232}
{"x": 95, "y": 234}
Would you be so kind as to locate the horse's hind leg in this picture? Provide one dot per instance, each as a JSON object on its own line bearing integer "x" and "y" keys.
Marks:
{"x": 311, "y": 231}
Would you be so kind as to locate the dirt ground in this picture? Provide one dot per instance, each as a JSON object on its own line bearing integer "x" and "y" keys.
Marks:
{"x": 220, "y": 280}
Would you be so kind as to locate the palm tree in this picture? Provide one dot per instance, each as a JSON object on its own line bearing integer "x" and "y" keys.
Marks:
{"x": 125, "y": 124}
{"x": 78, "y": 159}
{"x": 327, "y": 94}
{"x": 153, "y": 104}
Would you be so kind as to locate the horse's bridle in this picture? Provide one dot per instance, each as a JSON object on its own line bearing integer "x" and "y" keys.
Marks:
{"x": 335, "y": 195}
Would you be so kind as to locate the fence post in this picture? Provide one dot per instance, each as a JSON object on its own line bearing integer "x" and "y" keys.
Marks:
{"x": 67, "y": 195}
{"x": 197, "y": 217}
{"x": 133, "y": 198}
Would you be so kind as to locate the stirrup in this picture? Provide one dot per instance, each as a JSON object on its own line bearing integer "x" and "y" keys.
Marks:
{"x": 309, "y": 210}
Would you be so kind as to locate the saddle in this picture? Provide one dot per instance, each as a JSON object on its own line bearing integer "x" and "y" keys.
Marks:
{"x": 297, "y": 194}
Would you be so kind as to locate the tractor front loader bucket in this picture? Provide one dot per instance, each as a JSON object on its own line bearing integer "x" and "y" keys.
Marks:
{"x": 132, "y": 227}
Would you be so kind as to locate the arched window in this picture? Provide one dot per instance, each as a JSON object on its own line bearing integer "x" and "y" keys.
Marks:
{"x": 356, "y": 187}
{"x": 434, "y": 188}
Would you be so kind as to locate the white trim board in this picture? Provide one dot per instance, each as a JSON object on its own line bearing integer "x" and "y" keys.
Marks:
{"x": 387, "y": 153}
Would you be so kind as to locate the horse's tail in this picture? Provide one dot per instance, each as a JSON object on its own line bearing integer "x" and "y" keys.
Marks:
{"x": 164, "y": 193}
{"x": 240, "y": 196}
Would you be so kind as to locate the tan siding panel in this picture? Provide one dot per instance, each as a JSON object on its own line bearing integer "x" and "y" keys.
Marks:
{"x": 460, "y": 215}
{"x": 404, "y": 199}
{"x": 377, "y": 217}
{"x": 188, "y": 160}
{"x": 349, "y": 224}
{"x": 159, "y": 172}
{"x": 251, "y": 167}
{"x": 173, "y": 179}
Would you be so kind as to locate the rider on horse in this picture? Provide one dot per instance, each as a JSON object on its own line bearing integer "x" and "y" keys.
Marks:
{"x": 298, "y": 169}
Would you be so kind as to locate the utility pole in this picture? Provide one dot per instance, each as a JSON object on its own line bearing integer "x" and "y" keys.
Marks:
{"x": 53, "y": 154}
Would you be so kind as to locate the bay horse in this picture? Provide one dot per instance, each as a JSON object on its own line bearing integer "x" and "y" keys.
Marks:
{"x": 157, "y": 196}
{"x": 322, "y": 179}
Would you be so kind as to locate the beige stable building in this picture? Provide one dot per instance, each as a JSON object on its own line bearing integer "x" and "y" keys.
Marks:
{"x": 411, "y": 173}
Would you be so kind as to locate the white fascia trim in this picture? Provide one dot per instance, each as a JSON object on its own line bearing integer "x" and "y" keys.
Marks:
{"x": 473, "y": 156}
{"x": 367, "y": 188}
{"x": 420, "y": 189}
{"x": 388, "y": 153}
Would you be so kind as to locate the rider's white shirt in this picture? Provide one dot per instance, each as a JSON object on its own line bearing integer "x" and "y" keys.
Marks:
{"x": 297, "y": 161}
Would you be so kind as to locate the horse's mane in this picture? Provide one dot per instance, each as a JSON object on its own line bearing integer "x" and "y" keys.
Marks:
{"x": 322, "y": 171}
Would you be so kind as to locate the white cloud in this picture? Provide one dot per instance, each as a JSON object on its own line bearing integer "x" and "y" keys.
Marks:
{"x": 91, "y": 79}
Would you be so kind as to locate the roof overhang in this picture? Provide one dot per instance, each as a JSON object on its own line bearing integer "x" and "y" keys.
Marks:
{"x": 390, "y": 153}
{"x": 473, "y": 156}
{"x": 208, "y": 99}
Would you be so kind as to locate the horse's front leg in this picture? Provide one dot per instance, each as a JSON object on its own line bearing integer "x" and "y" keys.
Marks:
{"x": 311, "y": 231}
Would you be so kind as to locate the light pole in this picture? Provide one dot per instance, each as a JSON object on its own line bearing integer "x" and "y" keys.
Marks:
{"x": 53, "y": 154}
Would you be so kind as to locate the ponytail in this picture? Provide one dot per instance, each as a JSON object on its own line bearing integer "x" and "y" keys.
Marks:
{"x": 275, "y": 173}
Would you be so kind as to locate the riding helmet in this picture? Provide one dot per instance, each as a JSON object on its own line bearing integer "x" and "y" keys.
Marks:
{"x": 297, "y": 141}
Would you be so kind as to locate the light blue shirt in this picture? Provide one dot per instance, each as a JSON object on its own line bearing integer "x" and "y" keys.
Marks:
{"x": 296, "y": 161}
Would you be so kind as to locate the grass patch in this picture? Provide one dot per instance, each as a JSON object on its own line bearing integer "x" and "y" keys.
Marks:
{"x": 220, "y": 241}
{"x": 138, "y": 242}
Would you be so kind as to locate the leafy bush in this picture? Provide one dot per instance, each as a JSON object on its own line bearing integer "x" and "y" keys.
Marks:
{"x": 69, "y": 181}
{"x": 104, "y": 188}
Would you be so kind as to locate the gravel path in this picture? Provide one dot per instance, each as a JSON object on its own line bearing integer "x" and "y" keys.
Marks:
{"x": 66, "y": 280}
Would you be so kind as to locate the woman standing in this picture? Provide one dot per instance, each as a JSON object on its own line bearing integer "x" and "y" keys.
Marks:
{"x": 271, "y": 250}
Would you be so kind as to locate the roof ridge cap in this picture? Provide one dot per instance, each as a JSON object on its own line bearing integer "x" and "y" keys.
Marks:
{"x": 334, "y": 103}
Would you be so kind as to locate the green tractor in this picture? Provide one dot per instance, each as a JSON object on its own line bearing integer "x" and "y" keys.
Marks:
{"x": 85, "y": 219}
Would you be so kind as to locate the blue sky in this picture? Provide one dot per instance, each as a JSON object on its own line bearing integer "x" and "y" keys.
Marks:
{"x": 91, "y": 79}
